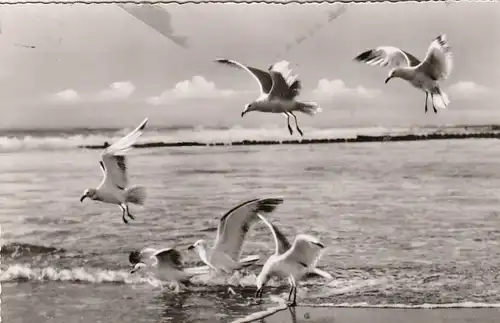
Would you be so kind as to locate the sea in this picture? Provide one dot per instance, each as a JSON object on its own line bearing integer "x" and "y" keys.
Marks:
{"x": 406, "y": 224}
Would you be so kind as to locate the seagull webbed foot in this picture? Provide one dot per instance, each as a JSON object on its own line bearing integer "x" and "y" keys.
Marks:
{"x": 124, "y": 220}
{"x": 131, "y": 216}
{"x": 300, "y": 131}
{"x": 291, "y": 304}
{"x": 290, "y": 129}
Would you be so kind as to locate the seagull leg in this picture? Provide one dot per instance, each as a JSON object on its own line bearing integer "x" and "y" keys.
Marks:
{"x": 288, "y": 123}
{"x": 296, "y": 124}
{"x": 291, "y": 289}
{"x": 426, "y": 100}
{"x": 123, "y": 214}
{"x": 433, "y": 106}
{"x": 294, "y": 288}
{"x": 128, "y": 213}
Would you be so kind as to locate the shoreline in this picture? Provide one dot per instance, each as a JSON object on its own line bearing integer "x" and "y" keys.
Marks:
{"x": 357, "y": 139}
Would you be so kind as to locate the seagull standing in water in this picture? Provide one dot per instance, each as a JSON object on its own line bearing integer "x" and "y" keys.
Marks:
{"x": 166, "y": 264}
{"x": 424, "y": 75}
{"x": 279, "y": 88}
{"x": 224, "y": 256}
{"x": 291, "y": 261}
{"x": 114, "y": 186}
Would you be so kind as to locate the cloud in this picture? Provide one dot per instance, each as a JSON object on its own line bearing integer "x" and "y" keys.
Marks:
{"x": 467, "y": 89}
{"x": 116, "y": 91}
{"x": 335, "y": 88}
{"x": 196, "y": 88}
{"x": 68, "y": 95}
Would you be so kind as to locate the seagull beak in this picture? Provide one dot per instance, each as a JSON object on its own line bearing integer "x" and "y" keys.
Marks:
{"x": 133, "y": 270}
{"x": 387, "y": 79}
{"x": 83, "y": 197}
{"x": 243, "y": 113}
{"x": 191, "y": 247}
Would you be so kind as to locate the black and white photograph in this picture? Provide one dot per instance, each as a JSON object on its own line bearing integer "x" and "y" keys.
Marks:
{"x": 237, "y": 162}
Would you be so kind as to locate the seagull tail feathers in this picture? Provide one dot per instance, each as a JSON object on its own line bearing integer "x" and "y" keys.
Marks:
{"x": 136, "y": 195}
{"x": 309, "y": 108}
{"x": 440, "y": 100}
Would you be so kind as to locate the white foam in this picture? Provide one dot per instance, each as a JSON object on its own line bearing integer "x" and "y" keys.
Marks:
{"x": 200, "y": 134}
{"x": 21, "y": 272}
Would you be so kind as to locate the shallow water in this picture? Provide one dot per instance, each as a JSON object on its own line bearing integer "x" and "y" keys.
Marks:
{"x": 405, "y": 223}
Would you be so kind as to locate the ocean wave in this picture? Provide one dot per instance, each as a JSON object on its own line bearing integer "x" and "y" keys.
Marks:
{"x": 308, "y": 291}
{"x": 27, "y": 273}
{"x": 65, "y": 139}
{"x": 24, "y": 272}
{"x": 17, "y": 250}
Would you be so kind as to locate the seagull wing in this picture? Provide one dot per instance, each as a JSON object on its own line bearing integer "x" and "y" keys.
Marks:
{"x": 169, "y": 257}
{"x": 305, "y": 250}
{"x": 234, "y": 225}
{"x": 114, "y": 161}
{"x": 281, "y": 242}
{"x": 285, "y": 83}
{"x": 387, "y": 55}
{"x": 263, "y": 77}
{"x": 438, "y": 61}
{"x": 280, "y": 88}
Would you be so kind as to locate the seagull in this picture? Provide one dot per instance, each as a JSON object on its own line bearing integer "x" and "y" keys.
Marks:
{"x": 291, "y": 261}
{"x": 114, "y": 186}
{"x": 167, "y": 264}
{"x": 279, "y": 88}
{"x": 224, "y": 256}
{"x": 424, "y": 75}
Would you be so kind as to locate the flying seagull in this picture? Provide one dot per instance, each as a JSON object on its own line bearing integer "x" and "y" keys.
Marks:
{"x": 279, "y": 88}
{"x": 424, "y": 75}
{"x": 291, "y": 261}
{"x": 166, "y": 264}
{"x": 224, "y": 256}
{"x": 114, "y": 186}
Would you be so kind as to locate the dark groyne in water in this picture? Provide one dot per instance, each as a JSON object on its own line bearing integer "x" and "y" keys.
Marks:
{"x": 359, "y": 138}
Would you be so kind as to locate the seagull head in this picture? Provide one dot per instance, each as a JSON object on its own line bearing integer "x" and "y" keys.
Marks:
{"x": 261, "y": 283}
{"x": 134, "y": 257}
{"x": 248, "y": 108}
{"x": 392, "y": 73}
{"x": 137, "y": 267}
{"x": 198, "y": 244}
{"x": 90, "y": 193}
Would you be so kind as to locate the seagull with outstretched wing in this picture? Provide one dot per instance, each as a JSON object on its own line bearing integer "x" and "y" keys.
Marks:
{"x": 166, "y": 264}
{"x": 114, "y": 187}
{"x": 424, "y": 75}
{"x": 279, "y": 88}
{"x": 233, "y": 227}
{"x": 293, "y": 261}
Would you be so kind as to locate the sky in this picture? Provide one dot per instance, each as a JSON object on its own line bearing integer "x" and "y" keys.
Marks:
{"x": 94, "y": 66}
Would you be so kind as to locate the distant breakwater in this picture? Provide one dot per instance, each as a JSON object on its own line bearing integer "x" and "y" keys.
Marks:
{"x": 359, "y": 138}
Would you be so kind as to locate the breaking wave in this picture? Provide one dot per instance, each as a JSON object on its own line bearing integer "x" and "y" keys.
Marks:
{"x": 312, "y": 293}
{"x": 18, "y": 140}
{"x": 17, "y": 250}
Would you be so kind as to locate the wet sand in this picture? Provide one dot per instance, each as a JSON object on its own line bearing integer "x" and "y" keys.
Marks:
{"x": 379, "y": 315}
